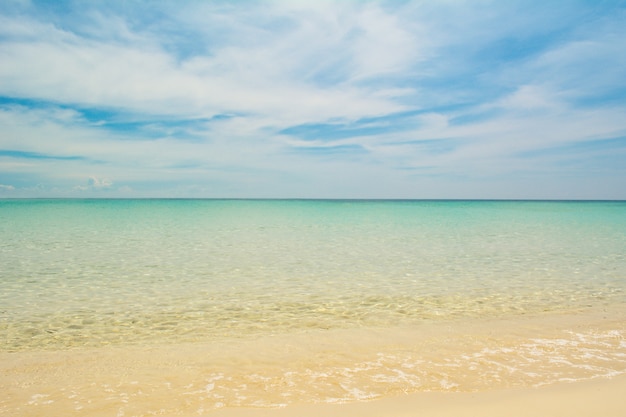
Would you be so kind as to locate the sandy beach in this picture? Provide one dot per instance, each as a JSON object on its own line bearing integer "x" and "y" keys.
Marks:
{"x": 554, "y": 365}
{"x": 358, "y": 309}
{"x": 603, "y": 397}
{"x": 312, "y": 208}
{"x": 598, "y": 397}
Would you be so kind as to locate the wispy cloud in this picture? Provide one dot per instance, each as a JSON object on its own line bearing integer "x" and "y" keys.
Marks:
{"x": 313, "y": 99}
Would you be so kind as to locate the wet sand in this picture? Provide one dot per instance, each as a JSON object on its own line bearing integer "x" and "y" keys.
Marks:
{"x": 604, "y": 397}
{"x": 546, "y": 365}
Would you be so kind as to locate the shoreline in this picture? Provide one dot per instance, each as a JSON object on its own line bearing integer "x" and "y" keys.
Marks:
{"x": 484, "y": 367}
{"x": 602, "y": 397}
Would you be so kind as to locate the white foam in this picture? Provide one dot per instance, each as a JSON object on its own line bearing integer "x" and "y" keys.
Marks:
{"x": 357, "y": 394}
{"x": 445, "y": 384}
{"x": 39, "y": 399}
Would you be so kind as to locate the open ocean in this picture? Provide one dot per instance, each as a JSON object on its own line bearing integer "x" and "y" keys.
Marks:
{"x": 276, "y": 302}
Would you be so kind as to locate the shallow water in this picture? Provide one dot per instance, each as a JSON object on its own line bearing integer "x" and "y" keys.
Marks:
{"x": 278, "y": 302}
{"x": 94, "y": 272}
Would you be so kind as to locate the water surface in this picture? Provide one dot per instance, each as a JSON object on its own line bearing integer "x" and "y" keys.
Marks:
{"x": 193, "y": 305}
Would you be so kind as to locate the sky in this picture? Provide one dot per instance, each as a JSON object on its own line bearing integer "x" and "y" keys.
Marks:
{"x": 313, "y": 99}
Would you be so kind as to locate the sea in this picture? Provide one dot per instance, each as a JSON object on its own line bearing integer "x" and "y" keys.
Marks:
{"x": 182, "y": 307}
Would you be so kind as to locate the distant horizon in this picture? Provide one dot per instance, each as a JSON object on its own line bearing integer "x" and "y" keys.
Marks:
{"x": 516, "y": 100}
{"x": 521, "y": 200}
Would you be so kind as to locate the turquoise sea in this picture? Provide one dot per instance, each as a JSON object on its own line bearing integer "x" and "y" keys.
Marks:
{"x": 187, "y": 269}
{"x": 135, "y": 274}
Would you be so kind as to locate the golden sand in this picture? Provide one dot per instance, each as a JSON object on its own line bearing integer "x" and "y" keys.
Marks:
{"x": 581, "y": 399}
{"x": 567, "y": 364}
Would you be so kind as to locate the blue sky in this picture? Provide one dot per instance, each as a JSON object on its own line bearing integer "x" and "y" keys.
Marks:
{"x": 313, "y": 99}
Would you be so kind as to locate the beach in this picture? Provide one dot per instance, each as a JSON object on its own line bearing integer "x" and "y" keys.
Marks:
{"x": 312, "y": 208}
{"x": 552, "y": 365}
{"x": 581, "y": 399}
{"x": 220, "y": 307}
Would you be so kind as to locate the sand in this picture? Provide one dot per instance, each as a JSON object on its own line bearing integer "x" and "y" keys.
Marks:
{"x": 604, "y": 397}
{"x": 193, "y": 379}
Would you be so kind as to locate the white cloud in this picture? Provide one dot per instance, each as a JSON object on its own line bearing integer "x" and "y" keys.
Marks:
{"x": 250, "y": 78}
{"x": 95, "y": 184}
{"x": 417, "y": 85}
{"x": 529, "y": 97}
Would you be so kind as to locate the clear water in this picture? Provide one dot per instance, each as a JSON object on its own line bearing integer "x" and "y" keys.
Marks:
{"x": 95, "y": 272}
{"x": 180, "y": 307}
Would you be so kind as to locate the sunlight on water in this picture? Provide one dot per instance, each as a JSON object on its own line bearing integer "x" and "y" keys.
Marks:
{"x": 213, "y": 303}
{"x": 109, "y": 272}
